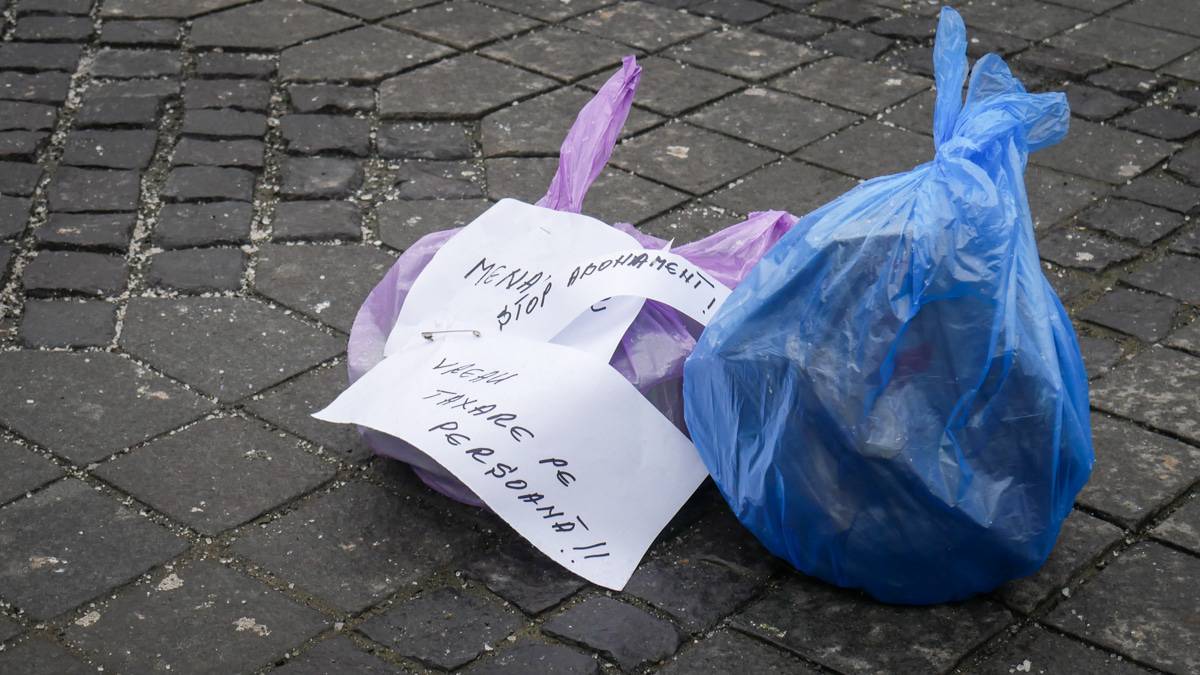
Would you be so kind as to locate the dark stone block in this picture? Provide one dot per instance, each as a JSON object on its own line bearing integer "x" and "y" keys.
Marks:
{"x": 1140, "y": 605}
{"x": 1037, "y": 650}
{"x": 733, "y": 11}
{"x": 169, "y": 9}
{"x": 291, "y": 405}
{"x": 730, "y": 652}
{"x": 559, "y": 53}
{"x": 377, "y": 540}
{"x": 1188, "y": 99}
{"x": 893, "y": 150}
{"x": 791, "y": 186}
{"x": 183, "y": 225}
{"x": 1080, "y": 541}
{"x": 88, "y": 230}
{"x": 111, "y": 111}
{"x": 321, "y": 134}
{"x": 366, "y": 54}
{"x": 1173, "y": 15}
{"x": 769, "y": 118}
{"x": 438, "y": 180}
{"x": 43, "y": 87}
{"x": 21, "y": 179}
{"x": 158, "y": 88}
{"x": 1186, "y": 338}
{"x": 129, "y": 63}
{"x": 1145, "y": 316}
{"x": 442, "y": 627}
{"x": 14, "y": 215}
{"x": 226, "y": 347}
{"x": 1164, "y": 191}
{"x": 1130, "y": 82}
{"x": 524, "y": 576}
{"x": 744, "y": 53}
{"x": 1099, "y": 355}
{"x": 879, "y": 86}
{"x": 225, "y": 64}
{"x": 1095, "y": 104}
{"x": 74, "y": 190}
{"x": 53, "y": 28}
{"x": 1023, "y": 18}
{"x": 311, "y": 98}
{"x": 548, "y": 10}
{"x": 534, "y": 127}
{"x": 110, "y": 149}
{"x": 327, "y": 283}
{"x": 709, "y": 573}
{"x": 218, "y": 473}
{"x": 39, "y": 56}
{"x": 1172, "y": 125}
{"x": 77, "y": 7}
{"x": 373, "y": 9}
{"x": 915, "y": 28}
{"x": 461, "y": 23}
{"x": 145, "y": 32}
{"x": 241, "y": 94}
{"x": 1059, "y": 64}
{"x": 1083, "y": 249}
{"x": 621, "y": 632}
{"x": 68, "y": 323}
{"x": 1173, "y": 275}
{"x": 315, "y": 221}
{"x": 844, "y": 630}
{"x": 198, "y": 270}
{"x": 796, "y": 27}
{"x": 206, "y": 618}
{"x": 642, "y": 25}
{"x": 688, "y": 158}
{"x": 848, "y": 11}
{"x": 22, "y": 145}
{"x": 27, "y": 116}
{"x": 1131, "y": 220}
{"x": 1158, "y": 388}
{"x": 425, "y": 140}
{"x": 464, "y": 86}
{"x": 402, "y": 223}
{"x": 691, "y": 222}
{"x": 1103, "y": 153}
{"x": 855, "y": 44}
{"x": 1136, "y": 471}
{"x": 226, "y": 123}
{"x": 201, "y": 183}
{"x": 336, "y": 655}
{"x": 246, "y": 153}
{"x": 75, "y": 272}
{"x": 38, "y": 655}
{"x": 535, "y": 657}
{"x": 1183, "y": 527}
{"x": 272, "y": 24}
{"x": 87, "y": 406}
{"x": 24, "y": 470}
{"x": 317, "y": 178}
{"x": 1127, "y": 43}
{"x": 1186, "y": 165}
{"x": 68, "y": 544}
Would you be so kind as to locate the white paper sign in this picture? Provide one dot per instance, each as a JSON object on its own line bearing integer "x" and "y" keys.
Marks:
{"x": 496, "y": 276}
{"x": 554, "y": 440}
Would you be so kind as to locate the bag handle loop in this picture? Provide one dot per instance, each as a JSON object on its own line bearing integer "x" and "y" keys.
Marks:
{"x": 591, "y": 140}
{"x": 950, "y": 71}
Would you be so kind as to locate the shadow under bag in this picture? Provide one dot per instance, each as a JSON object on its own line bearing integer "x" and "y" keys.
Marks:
{"x": 893, "y": 399}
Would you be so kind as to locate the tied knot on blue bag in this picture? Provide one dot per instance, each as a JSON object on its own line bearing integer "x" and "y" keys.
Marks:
{"x": 893, "y": 399}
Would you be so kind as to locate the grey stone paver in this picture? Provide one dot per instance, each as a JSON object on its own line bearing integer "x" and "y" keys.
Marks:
{"x": 217, "y": 473}
{"x": 207, "y": 618}
{"x": 68, "y": 544}
{"x": 1153, "y": 615}
{"x": 234, "y": 175}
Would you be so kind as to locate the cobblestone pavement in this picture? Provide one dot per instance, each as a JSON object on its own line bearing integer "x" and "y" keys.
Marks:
{"x": 198, "y": 193}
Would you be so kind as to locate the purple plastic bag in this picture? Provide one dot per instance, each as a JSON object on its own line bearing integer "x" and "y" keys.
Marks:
{"x": 652, "y": 351}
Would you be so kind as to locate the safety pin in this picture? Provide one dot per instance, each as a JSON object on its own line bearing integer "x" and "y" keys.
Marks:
{"x": 428, "y": 334}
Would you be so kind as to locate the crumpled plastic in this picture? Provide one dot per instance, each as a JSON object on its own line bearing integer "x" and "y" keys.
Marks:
{"x": 653, "y": 349}
{"x": 894, "y": 399}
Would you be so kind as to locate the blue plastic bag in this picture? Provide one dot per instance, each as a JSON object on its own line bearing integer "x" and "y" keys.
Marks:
{"x": 894, "y": 398}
